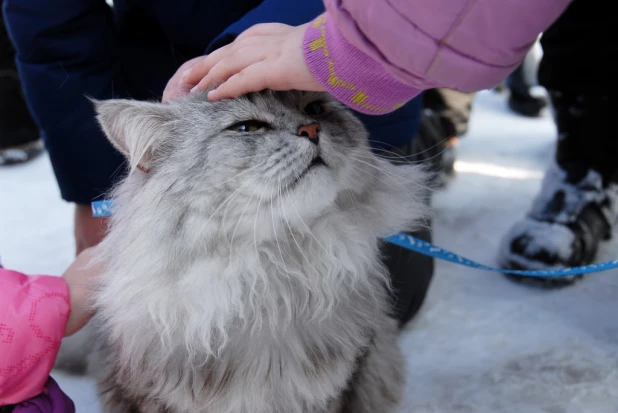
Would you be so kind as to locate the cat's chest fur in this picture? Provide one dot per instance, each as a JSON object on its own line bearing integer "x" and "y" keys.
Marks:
{"x": 285, "y": 322}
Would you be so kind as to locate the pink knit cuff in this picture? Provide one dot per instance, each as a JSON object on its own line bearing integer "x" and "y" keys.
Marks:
{"x": 350, "y": 75}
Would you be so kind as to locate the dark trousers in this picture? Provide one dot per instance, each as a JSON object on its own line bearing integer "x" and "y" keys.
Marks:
{"x": 17, "y": 129}
{"x": 579, "y": 51}
{"x": 7, "y": 54}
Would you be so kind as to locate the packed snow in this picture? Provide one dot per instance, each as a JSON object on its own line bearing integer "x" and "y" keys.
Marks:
{"x": 482, "y": 343}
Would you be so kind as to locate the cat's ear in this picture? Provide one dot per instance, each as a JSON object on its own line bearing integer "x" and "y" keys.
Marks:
{"x": 135, "y": 128}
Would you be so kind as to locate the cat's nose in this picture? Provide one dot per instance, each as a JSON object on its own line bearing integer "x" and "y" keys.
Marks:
{"x": 310, "y": 131}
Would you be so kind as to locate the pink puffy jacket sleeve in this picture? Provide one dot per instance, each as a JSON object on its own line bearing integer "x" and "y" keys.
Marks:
{"x": 374, "y": 55}
{"x": 33, "y": 316}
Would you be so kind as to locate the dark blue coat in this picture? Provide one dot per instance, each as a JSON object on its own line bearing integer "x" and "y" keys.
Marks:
{"x": 70, "y": 49}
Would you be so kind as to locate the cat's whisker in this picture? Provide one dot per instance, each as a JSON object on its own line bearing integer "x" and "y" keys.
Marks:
{"x": 257, "y": 215}
{"x": 226, "y": 208}
{"x": 238, "y": 222}
{"x": 257, "y": 313}
{"x": 290, "y": 255}
{"x": 305, "y": 224}
{"x": 398, "y": 154}
{"x": 379, "y": 178}
{"x": 228, "y": 199}
{"x": 353, "y": 199}
{"x": 396, "y": 160}
{"x": 287, "y": 301}
{"x": 384, "y": 171}
{"x": 405, "y": 190}
{"x": 403, "y": 160}
{"x": 223, "y": 216}
{"x": 272, "y": 217}
{"x": 285, "y": 218}
{"x": 311, "y": 266}
{"x": 306, "y": 298}
{"x": 386, "y": 154}
{"x": 255, "y": 221}
{"x": 336, "y": 260}
{"x": 208, "y": 189}
{"x": 244, "y": 158}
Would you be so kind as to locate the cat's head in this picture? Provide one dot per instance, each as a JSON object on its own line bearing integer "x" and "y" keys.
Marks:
{"x": 287, "y": 155}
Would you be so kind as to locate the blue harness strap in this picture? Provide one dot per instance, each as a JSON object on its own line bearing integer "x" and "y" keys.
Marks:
{"x": 101, "y": 209}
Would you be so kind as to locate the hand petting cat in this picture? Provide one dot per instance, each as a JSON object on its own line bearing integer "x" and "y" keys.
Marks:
{"x": 266, "y": 56}
{"x": 372, "y": 56}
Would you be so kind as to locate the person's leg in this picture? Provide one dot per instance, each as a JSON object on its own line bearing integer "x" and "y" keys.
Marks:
{"x": 19, "y": 136}
{"x": 521, "y": 82}
{"x": 453, "y": 109}
{"x": 578, "y": 203}
{"x": 446, "y": 117}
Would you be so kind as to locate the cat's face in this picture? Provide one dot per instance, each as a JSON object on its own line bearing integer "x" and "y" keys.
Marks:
{"x": 279, "y": 151}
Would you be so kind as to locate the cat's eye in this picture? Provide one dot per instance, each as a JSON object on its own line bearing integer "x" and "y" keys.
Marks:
{"x": 314, "y": 108}
{"x": 248, "y": 126}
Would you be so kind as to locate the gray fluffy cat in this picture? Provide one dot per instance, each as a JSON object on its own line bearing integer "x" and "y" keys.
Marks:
{"x": 243, "y": 271}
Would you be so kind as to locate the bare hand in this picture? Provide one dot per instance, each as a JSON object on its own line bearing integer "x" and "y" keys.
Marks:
{"x": 89, "y": 231}
{"x": 266, "y": 56}
{"x": 79, "y": 277}
{"x": 176, "y": 87}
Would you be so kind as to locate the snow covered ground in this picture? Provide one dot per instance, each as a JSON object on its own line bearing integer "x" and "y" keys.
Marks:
{"x": 482, "y": 344}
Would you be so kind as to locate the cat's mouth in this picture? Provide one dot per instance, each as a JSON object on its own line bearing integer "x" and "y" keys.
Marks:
{"x": 315, "y": 163}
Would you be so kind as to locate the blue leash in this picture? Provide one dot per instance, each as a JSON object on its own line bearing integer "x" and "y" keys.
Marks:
{"x": 427, "y": 248}
{"x": 104, "y": 209}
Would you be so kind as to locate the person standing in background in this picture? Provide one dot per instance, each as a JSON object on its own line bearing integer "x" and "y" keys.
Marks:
{"x": 19, "y": 136}
{"x": 577, "y": 206}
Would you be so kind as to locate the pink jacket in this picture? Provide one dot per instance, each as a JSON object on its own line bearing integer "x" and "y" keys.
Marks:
{"x": 374, "y": 55}
{"x": 33, "y": 316}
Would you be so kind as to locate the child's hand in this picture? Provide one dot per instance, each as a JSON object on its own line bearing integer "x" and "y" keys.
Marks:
{"x": 176, "y": 87}
{"x": 267, "y": 56}
{"x": 79, "y": 277}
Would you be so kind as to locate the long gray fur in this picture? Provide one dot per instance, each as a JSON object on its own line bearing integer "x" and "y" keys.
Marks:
{"x": 238, "y": 280}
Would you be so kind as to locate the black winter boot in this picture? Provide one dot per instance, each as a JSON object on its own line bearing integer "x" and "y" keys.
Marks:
{"x": 435, "y": 146}
{"x": 577, "y": 206}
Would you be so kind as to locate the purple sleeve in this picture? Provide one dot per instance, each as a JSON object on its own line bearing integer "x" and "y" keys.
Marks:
{"x": 51, "y": 400}
{"x": 376, "y": 54}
